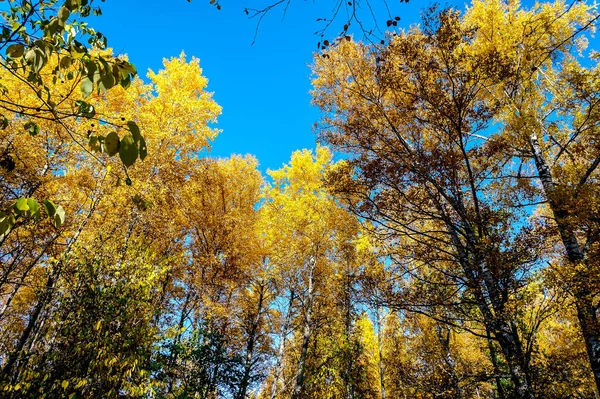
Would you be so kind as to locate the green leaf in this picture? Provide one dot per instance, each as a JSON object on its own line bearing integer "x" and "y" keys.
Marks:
{"x": 128, "y": 181}
{"x": 52, "y": 27}
{"x": 50, "y": 208}
{"x": 135, "y": 130}
{"x": 87, "y": 86}
{"x": 73, "y": 4}
{"x": 96, "y": 143}
{"x": 4, "y": 228}
{"x": 15, "y": 50}
{"x": 90, "y": 68}
{"x": 32, "y": 128}
{"x": 125, "y": 82}
{"x": 36, "y": 59}
{"x": 103, "y": 65}
{"x": 34, "y": 208}
{"x": 59, "y": 217}
{"x": 21, "y": 205}
{"x": 143, "y": 149}
{"x": 63, "y": 14}
{"x": 65, "y": 62}
{"x": 34, "y": 78}
{"x": 77, "y": 50}
{"x": 106, "y": 82}
{"x": 7, "y": 224}
{"x": 111, "y": 143}
{"x": 85, "y": 109}
{"x": 128, "y": 151}
{"x": 46, "y": 47}
{"x": 127, "y": 69}
{"x": 3, "y": 122}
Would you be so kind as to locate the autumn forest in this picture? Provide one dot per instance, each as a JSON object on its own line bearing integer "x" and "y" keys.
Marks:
{"x": 441, "y": 239}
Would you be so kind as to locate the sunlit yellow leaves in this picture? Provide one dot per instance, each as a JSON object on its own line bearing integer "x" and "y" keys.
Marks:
{"x": 524, "y": 37}
{"x": 182, "y": 104}
{"x": 306, "y": 216}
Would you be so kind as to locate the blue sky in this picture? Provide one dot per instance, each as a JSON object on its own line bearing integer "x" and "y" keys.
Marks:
{"x": 263, "y": 88}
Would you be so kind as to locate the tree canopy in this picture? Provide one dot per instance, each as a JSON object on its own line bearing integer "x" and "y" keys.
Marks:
{"x": 440, "y": 241}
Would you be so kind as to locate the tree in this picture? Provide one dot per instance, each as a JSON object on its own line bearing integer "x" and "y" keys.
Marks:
{"x": 214, "y": 332}
{"x": 47, "y": 74}
{"x": 524, "y": 69}
{"x": 411, "y": 119}
{"x": 117, "y": 230}
{"x": 311, "y": 237}
{"x": 549, "y": 114}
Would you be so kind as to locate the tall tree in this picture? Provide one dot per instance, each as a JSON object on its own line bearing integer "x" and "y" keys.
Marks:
{"x": 409, "y": 116}
{"x": 100, "y": 265}
{"x": 549, "y": 98}
{"x": 310, "y": 234}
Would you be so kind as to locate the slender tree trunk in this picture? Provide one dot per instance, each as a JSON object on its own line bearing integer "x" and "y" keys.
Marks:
{"x": 19, "y": 284}
{"x": 282, "y": 338}
{"x": 498, "y": 379}
{"x": 443, "y": 334}
{"x": 252, "y": 338}
{"x": 513, "y": 353}
{"x": 347, "y": 309}
{"x": 12, "y": 295}
{"x": 44, "y": 300}
{"x": 306, "y": 333}
{"x": 8, "y": 368}
{"x": 507, "y": 335}
{"x": 586, "y": 311}
{"x": 126, "y": 243}
{"x": 380, "y": 349}
{"x": 491, "y": 306}
{"x": 590, "y": 328}
{"x": 173, "y": 355}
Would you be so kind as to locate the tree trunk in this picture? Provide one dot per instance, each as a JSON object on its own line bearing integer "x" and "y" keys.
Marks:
{"x": 590, "y": 328}
{"x": 586, "y": 311}
{"x": 306, "y": 333}
{"x": 19, "y": 284}
{"x": 8, "y": 368}
{"x": 281, "y": 351}
{"x": 349, "y": 360}
{"x": 443, "y": 335}
{"x": 252, "y": 338}
{"x": 491, "y": 306}
{"x": 44, "y": 300}
{"x": 380, "y": 349}
{"x": 497, "y": 378}
{"x": 513, "y": 354}
{"x": 173, "y": 355}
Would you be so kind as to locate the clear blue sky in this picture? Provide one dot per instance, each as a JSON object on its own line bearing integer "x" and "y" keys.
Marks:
{"x": 263, "y": 88}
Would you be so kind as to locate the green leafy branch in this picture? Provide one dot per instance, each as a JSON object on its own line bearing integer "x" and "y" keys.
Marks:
{"x": 29, "y": 208}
